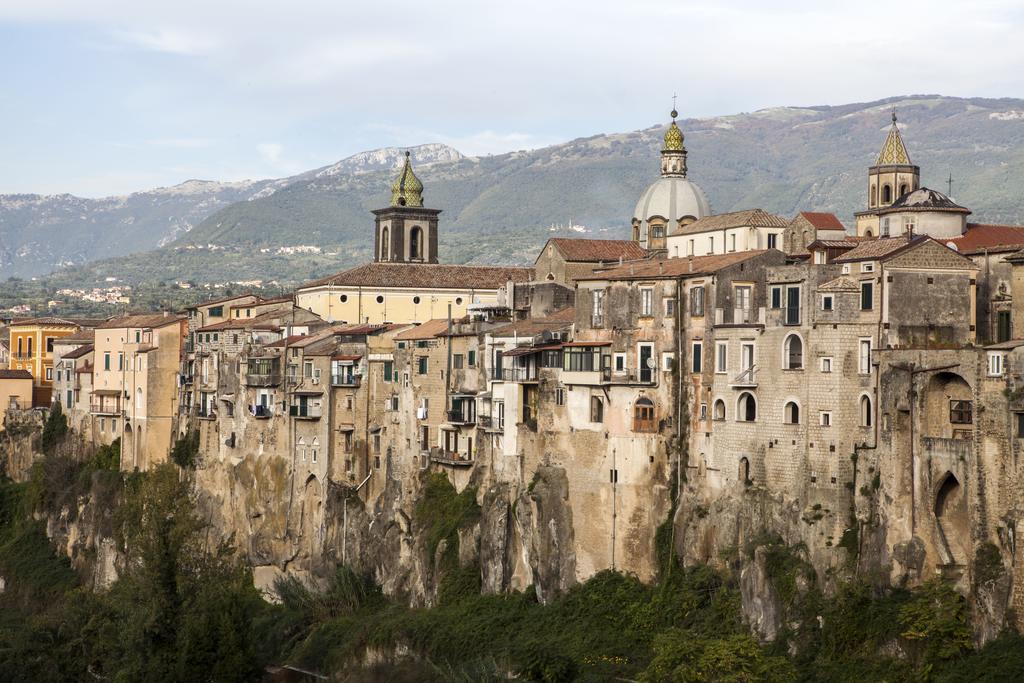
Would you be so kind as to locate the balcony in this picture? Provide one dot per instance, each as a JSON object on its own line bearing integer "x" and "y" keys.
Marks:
{"x": 187, "y": 380}
{"x": 527, "y": 374}
{"x": 112, "y": 408}
{"x": 460, "y": 417}
{"x": 206, "y": 414}
{"x": 305, "y": 412}
{"x": 346, "y": 380}
{"x": 451, "y": 458}
{"x": 642, "y": 376}
{"x": 271, "y": 379}
{"x": 746, "y": 379}
{"x": 791, "y": 315}
{"x": 260, "y": 411}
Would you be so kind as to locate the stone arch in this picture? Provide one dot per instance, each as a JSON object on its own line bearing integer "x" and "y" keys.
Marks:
{"x": 311, "y": 514}
{"x": 866, "y": 411}
{"x": 947, "y": 409}
{"x": 791, "y": 412}
{"x": 718, "y": 412}
{"x": 868, "y": 233}
{"x": 746, "y": 407}
{"x": 138, "y": 399}
{"x": 903, "y": 189}
{"x": 887, "y": 193}
{"x": 385, "y": 244}
{"x": 952, "y": 519}
{"x": 793, "y": 352}
{"x": 416, "y": 242}
{"x": 744, "y": 471}
{"x": 128, "y": 445}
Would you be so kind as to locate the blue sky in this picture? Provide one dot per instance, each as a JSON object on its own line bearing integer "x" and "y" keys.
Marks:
{"x": 111, "y": 96}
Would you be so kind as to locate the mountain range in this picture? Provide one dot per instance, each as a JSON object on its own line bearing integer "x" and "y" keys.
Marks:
{"x": 501, "y": 208}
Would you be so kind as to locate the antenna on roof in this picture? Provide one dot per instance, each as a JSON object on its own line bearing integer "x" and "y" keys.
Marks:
{"x": 949, "y": 184}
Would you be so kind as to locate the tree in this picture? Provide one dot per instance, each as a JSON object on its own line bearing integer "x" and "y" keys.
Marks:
{"x": 55, "y": 429}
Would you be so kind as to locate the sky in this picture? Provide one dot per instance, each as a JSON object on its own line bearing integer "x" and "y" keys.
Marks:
{"x": 114, "y": 96}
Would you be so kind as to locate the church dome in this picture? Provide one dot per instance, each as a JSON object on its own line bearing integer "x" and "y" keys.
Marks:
{"x": 407, "y": 190}
{"x": 672, "y": 198}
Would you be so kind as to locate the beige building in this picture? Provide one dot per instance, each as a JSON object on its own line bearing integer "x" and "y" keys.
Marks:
{"x": 15, "y": 390}
{"x": 564, "y": 260}
{"x": 135, "y": 386}
{"x": 727, "y": 233}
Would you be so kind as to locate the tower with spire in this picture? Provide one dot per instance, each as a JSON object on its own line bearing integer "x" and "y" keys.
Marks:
{"x": 892, "y": 176}
{"x": 406, "y": 232}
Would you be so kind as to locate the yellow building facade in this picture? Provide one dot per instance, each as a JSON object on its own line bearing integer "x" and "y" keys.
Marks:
{"x": 32, "y": 350}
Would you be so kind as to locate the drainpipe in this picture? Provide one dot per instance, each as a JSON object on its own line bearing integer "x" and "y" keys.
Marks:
{"x": 615, "y": 484}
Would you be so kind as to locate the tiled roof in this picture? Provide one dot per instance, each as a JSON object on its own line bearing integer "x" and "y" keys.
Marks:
{"x": 141, "y": 320}
{"x": 924, "y": 199}
{"x": 834, "y": 244}
{"x": 82, "y": 350}
{"x": 980, "y": 237}
{"x": 673, "y": 267}
{"x": 597, "y": 250}
{"x": 840, "y": 284}
{"x": 823, "y": 221}
{"x": 427, "y": 330}
{"x": 294, "y": 340}
{"x": 875, "y": 249}
{"x": 83, "y": 336}
{"x": 15, "y": 374}
{"x": 753, "y": 218}
{"x": 534, "y": 326}
{"x": 45, "y": 322}
{"x": 425, "y": 276}
{"x": 223, "y": 300}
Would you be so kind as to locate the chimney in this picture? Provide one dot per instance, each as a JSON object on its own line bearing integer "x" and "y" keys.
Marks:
{"x": 689, "y": 264}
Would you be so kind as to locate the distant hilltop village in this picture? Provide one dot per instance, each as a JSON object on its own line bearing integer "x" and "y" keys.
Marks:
{"x": 855, "y": 392}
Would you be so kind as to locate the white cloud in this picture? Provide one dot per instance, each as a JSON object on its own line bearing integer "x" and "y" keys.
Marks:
{"x": 188, "y": 43}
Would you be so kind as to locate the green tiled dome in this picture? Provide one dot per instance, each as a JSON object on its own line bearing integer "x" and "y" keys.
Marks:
{"x": 407, "y": 190}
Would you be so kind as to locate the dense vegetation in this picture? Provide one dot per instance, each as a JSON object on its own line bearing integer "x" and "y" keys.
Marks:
{"x": 185, "y": 610}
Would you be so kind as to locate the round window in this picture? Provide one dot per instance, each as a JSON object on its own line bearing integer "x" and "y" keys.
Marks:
{"x": 458, "y": 301}
{"x": 415, "y": 299}
{"x": 380, "y": 298}
{"x": 344, "y": 298}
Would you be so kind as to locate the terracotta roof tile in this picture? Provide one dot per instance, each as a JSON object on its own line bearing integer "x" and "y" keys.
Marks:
{"x": 45, "y": 321}
{"x": 755, "y": 218}
{"x": 982, "y": 236}
{"x": 587, "y": 250}
{"x": 427, "y": 330}
{"x": 535, "y": 326}
{"x": 426, "y": 276}
{"x": 83, "y": 350}
{"x": 15, "y": 374}
{"x": 673, "y": 267}
{"x": 875, "y": 249}
{"x": 823, "y": 221}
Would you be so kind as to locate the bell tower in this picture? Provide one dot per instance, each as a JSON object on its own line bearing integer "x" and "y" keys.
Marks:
{"x": 406, "y": 232}
{"x": 892, "y": 176}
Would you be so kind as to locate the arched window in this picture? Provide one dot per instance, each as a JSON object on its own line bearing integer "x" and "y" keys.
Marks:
{"x": 903, "y": 189}
{"x": 746, "y": 408}
{"x": 791, "y": 413}
{"x": 793, "y": 353}
{"x": 865, "y": 411}
{"x": 643, "y": 415}
{"x": 719, "y": 412}
{"x": 744, "y": 472}
{"x": 416, "y": 243}
{"x": 886, "y": 194}
{"x": 874, "y": 195}
{"x": 385, "y": 244}
{"x": 867, "y": 233}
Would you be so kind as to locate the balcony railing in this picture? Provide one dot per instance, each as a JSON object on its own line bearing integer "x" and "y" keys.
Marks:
{"x": 453, "y": 458}
{"x": 272, "y": 379}
{"x": 105, "y": 407}
{"x": 206, "y": 414}
{"x": 346, "y": 380}
{"x": 528, "y": 374}
{"x": 260, "y": 411}
{"x": 22, "y": 356}
{"x": 460, "y": 417}
{"x": 791, "y": 315}
{"x": 642, "y": 376}
{"x": 302, "y": 412}
{"x": 746, "y": 379}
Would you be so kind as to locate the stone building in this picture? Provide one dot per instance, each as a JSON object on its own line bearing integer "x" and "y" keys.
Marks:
{"x": 564, "y": 259}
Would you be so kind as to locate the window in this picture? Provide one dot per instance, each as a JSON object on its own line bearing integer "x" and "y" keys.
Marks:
{"x": 826, "y": 364}
{"x": 864, "y": 357}
{"x": 597, "y": 314}
{"x": 389, "y": 370}
{"x": 776, "y": 297}
{"x": 826, "y": 302}
{"x": 825, "y": 418}
{"x": 711, "y": 245}
{"x": 646, "y": 302}
{"x": 961, "y": 412}
{"x": 471, "y": 359}
{"x": 703, "y": 411}
{"x": 793, "y": 305}
{"x": 307, "y": 369}
{"x": 772, "y": 241}
{"x": 721, "y": 357}
{"x": 791, "y": 413}
{"x": 867, "y": 295}
{"x": 819, "y": 258}
{"x": 670, "y": 307}
{"x": 884, "y": 232}
{"x": 501, "y": 414}
{"x": 696, "y": 357}
{"x": 457, "y": 361}
{"x": 421, "y": 365}
{"x": 120, "y": 361}
{"x": 49, "y": 374}
{"x": 596, "y": 409}
{"x": 867, "y": 267}
{"x": 106, "y": 360}
{"x": 719, "y": 409}
{"x": 216, "y": 311}
{"x": 689, "y": 248}
{"x": 620, "y": 362}
{"x": 581, "y": 359}
{"x": 643, "y": 416}
{"x": 668, "y": 361}
{"x": 995, "y": 364}
{"x": 865, "y": 411}
{"x": 886, "y": 194}
{"x": 697, "y": 301}
{"x": 793, "y": 353}
{"x": 746, "y": 408}
{"x": 1019, "y": 417}
{"x": 560, "y": 396}
{"x": 49, "y": 344}
{"x": 908, "y": 224}
{"x": 732, "y": 242}
{"x": 550, "y": 358}
{"x": 741, "y": 298}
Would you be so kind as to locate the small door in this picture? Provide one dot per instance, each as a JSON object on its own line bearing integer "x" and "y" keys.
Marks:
{"x": 793, "y": 306}
{"x": 1003, "y": 326}
{"x": 646, "y": 352}
{"x": 746, "y": 356}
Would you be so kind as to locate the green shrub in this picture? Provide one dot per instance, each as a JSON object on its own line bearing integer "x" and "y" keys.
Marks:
{"x": 186, "y": 450}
